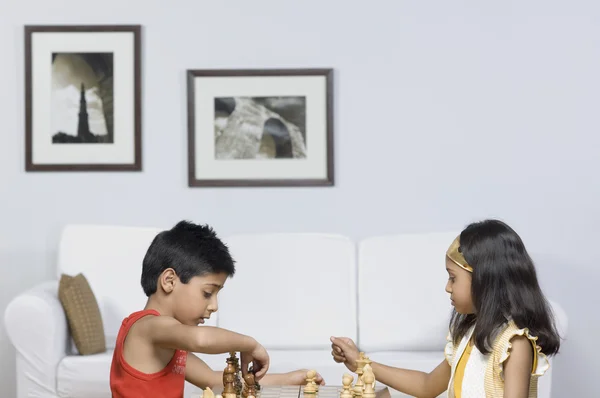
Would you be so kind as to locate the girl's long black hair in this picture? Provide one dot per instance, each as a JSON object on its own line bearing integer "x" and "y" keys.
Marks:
{"x": 504, "y": 286}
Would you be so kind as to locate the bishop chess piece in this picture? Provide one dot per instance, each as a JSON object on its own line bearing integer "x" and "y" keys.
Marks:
{"x": 346, "y": 386}
{"x": 369, "y": 380}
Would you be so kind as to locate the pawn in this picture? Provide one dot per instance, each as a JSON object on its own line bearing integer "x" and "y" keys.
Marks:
{"x": 250, "y": 384}
{"x": 208, "y": 393}
{"x": 369, "y": 380}
{"x": 346, "y": 386}
{"x": 311, "y": 387}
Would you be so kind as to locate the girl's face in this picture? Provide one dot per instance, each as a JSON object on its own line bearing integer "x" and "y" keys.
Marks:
{"x": 459, "y": 288}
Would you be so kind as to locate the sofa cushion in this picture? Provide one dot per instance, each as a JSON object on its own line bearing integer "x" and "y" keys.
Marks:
{"x": 402, "y": 302}
{"x": 84, "y": 376}
{"x": 291, "y": 291}
{"x": 83, "y": 314}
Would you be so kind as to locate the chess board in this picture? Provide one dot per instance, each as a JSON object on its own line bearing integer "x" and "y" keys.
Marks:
{"x": 297, "y": 392}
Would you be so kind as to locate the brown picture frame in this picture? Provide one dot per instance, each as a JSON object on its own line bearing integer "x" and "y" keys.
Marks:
{"x": 132, "y": 151}
{"x": 252, "y": 78}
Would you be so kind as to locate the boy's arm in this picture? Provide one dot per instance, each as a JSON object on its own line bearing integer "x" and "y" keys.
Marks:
{"x": 294, "y": 378}
{"x": 200, "y": 374}
{"x": 169, "y": 333}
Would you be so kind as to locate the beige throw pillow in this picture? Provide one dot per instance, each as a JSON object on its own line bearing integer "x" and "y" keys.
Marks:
{"x": 83, "y": 314}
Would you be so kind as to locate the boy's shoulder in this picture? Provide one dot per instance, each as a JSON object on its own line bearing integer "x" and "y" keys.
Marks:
{"x": 145, "y": 321}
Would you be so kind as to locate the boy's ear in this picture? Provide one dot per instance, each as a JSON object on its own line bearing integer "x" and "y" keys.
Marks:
{"x": 167, "y": 280}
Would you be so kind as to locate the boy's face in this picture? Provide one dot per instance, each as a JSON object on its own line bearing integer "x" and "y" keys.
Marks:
{"x": 459, "y": 288}
{"x": 196, "y": 300}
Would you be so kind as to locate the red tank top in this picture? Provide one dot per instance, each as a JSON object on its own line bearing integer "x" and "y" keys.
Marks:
{"x": 127, "y": 382}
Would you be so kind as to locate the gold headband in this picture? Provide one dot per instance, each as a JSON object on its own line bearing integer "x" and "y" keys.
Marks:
{"x": 456, "y": 256}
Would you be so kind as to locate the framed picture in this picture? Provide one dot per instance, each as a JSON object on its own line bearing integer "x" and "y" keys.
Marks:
{"x": 260, "y": 127}
{"x": 83, "y": 98}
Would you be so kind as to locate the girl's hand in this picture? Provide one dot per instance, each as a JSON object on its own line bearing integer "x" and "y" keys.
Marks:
{"x": 344, "y": 351}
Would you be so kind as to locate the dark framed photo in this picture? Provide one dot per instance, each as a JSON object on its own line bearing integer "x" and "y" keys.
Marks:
{"x": 260, "y": 127}
{"x": 83, "y": 98}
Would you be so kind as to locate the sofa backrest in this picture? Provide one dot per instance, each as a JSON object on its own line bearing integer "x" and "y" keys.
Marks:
{"x": 110, "y": 257}
{"x": 291, "y": 291}
{"x": 402, "y": 303}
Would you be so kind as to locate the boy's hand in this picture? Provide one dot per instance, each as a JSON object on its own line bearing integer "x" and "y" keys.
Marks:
{"x": 344, "y": 351}
{"x": 298, "y": 378}
{"x": 259, "y": 359}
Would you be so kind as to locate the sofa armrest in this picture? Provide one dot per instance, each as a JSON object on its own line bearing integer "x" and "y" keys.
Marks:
{"x": 37, "y": 327}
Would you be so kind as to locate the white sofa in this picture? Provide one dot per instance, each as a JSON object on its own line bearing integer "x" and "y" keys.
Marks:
{"x": 291, "y": 292}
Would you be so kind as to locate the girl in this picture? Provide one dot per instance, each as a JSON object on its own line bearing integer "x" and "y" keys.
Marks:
{"x": 501, "y": 327}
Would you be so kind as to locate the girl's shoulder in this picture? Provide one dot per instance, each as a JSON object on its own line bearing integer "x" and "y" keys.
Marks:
{"x": 503, "y": 345}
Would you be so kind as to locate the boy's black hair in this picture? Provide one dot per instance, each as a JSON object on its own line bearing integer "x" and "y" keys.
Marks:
{"x": 189, "y": 249}
{"x": 504, "y": 285}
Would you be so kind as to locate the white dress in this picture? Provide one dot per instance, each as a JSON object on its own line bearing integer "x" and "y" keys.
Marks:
{"x": 483, "y": 373}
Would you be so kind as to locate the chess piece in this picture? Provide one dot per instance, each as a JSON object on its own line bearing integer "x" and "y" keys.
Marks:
{"x": 359, "y": 386}
{"x": 310, "y": 382}
{"x": 369, "y": 380}
{"x": 229, "y": 379}
{"x": 346, "y": 386}
{"x": 368, "y": 368}
{"x": 208, "y": 393}
{"x": 310, "y": 387}
{"x": 256, "y": 384}
{"x": 250, "y": 385}
{"x": 238, "y": 385}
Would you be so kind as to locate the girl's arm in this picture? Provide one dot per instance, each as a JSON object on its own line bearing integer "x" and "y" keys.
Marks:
{"x": 517, "y": 368}
{"x": 413, "y": 382}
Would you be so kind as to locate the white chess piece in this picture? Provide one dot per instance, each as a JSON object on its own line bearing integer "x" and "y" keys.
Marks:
{"x": 346, "y": 386}
{"x": 208, "y": 393}
{"x": 369, "y": 380}
{"x": 311, "y": 386}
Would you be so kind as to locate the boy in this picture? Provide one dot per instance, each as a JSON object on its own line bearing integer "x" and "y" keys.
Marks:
{"x": 182, "y": 273}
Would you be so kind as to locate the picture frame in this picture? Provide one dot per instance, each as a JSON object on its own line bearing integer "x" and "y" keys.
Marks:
{"x": 83, "y": 91}
{"x": 260, "y": 127}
